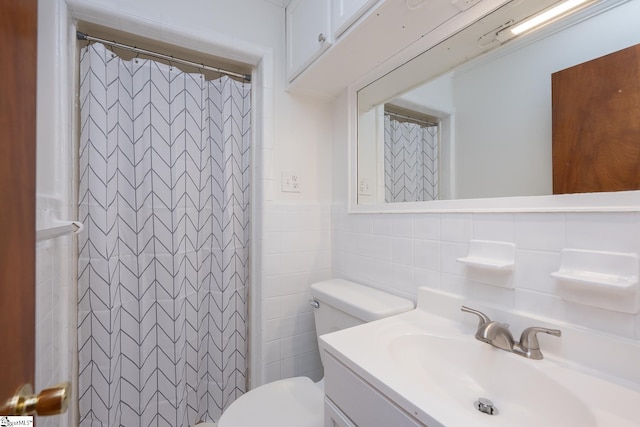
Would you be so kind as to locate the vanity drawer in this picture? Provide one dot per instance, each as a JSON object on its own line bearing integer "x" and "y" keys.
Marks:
{"x": 333, "y": 416}
{"x": 359, "y": 401}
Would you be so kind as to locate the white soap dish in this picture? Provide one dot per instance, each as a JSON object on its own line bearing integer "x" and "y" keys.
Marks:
{"x": 489, "y": 263}
{"x": 607, "y": 280}
{"x": 490, "y": 255}
{"x": 611, "y": 282}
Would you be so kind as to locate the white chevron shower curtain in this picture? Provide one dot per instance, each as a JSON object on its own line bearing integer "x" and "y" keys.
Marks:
{"x": 163, "y": 262}
{"x": 410, "y": 161}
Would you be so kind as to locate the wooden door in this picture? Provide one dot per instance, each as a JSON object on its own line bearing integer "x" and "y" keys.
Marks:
{"x": 596, "y": 124}
{"x": 18, "y": 42}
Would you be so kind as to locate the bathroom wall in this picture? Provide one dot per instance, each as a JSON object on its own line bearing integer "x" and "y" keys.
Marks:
{"x": 55, "y": 271}
{"x": 293, "y": 133}
{"x": 401, "y": 252}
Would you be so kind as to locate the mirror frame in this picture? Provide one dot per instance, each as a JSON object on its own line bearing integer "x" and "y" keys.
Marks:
{"x": 583, "y": 202}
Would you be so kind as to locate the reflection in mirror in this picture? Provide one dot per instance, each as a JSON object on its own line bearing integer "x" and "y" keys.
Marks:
{"x": 411, "y": 151}
{"x": 485, "y": 125}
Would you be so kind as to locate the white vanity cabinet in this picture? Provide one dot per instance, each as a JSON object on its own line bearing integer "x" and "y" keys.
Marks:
{"x": 308, "y": 33}
{"x": 350, "y": 401}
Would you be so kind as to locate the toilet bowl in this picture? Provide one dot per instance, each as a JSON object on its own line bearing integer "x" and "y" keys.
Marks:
{"x": 290, "y": 402}
{"x": 299, "y": 402}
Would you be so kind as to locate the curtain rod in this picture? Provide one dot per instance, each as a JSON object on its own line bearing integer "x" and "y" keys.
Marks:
{"x": 84, "y": 36}
{"x": 412, "y": 119}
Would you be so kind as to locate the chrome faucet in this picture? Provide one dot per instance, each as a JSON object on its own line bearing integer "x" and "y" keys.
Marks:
{"x": 529, "y": 346}
{"x": 498, "y": 335}
{"x": 492, "y": 332}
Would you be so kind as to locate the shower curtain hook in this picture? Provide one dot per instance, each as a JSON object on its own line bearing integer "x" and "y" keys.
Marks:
{"x": 113, "y": 52}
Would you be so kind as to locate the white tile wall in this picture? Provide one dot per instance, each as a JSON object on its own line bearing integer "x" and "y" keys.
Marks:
{"x": 616, "y": 232}
{"x": 296, "y": 241}
{"x": 412, "y": 250}
{"x": 54, "y": 291}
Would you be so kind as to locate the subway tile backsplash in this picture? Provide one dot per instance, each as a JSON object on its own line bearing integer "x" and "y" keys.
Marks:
{"x": 603, "y": 231}
{"x": 412, "y": 250}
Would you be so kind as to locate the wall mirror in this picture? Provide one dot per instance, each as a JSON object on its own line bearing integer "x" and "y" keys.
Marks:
{"x": 479, "y": 121}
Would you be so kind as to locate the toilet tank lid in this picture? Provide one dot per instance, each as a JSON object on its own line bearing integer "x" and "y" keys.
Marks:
{"x": 361, "y": 301}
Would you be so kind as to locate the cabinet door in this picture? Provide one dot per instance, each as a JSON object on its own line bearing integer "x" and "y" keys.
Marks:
{"x": 370, "y": 409}
{"x": 346, "y": 12}
{"x": 308, "y": 33}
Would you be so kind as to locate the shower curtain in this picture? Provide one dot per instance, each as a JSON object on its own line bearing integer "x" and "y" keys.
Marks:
{"x": 410, "y": 161}
{"x": 163, "y": 263}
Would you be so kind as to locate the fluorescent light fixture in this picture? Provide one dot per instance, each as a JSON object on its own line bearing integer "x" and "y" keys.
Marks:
{"x": 546, "y": 16}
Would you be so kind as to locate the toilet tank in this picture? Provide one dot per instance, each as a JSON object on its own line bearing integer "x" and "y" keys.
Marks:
{"x": 341, "y": 304}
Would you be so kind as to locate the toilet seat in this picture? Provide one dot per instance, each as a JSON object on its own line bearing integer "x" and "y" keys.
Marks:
{"x": 292, "y": 402}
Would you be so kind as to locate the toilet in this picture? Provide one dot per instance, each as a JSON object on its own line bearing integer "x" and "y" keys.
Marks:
{"x": 299, "y": 402}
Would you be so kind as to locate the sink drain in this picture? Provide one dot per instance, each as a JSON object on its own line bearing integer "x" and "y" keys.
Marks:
{"x": 485, "y": 406}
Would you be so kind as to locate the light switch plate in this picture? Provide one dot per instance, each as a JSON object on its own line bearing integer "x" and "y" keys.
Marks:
{"x": 364, "y": 189}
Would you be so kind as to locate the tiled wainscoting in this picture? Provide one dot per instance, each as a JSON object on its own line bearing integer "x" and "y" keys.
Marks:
{"x": 296, "y": 245}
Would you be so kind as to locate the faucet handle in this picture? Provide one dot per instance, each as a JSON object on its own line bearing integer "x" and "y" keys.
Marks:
{"x": 483, "y": 318}
{"x": 529, "y": 344}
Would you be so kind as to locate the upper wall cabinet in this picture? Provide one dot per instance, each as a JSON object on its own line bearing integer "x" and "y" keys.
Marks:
{"x": 308, "y": 33}
{"x": 314, "y": 25}
{"x": 361, "y": 35}
{"x": 346, "y": 12}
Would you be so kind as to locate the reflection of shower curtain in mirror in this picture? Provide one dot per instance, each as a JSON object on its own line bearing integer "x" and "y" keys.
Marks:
{"x": 410, "y": 161}
{"x": 163, "y": 261}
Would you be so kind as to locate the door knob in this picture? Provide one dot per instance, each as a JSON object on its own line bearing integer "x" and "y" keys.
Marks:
{"x": 50, "y": 401}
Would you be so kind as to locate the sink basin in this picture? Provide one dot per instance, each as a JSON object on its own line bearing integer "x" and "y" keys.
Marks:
{"x": 428, "y": 364}
{"x": 462, "y": 370}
